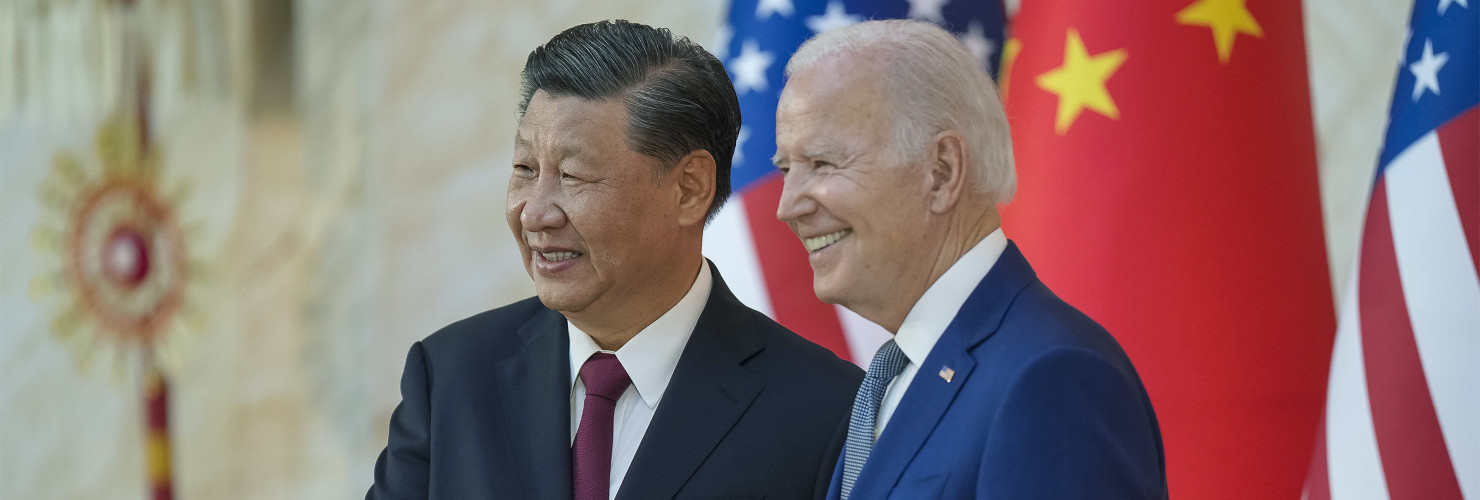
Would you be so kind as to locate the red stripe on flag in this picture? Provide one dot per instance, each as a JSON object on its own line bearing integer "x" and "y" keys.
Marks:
{"x": 788, "y": 276}
{"x": 1461, "y": 150}
{"x": 1415, "y": 459}
{"x": 1318, "y": 485}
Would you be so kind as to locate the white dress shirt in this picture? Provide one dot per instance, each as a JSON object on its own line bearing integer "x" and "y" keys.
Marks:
{"x": 649, "y": 359}
{"x": 935, "y": 310}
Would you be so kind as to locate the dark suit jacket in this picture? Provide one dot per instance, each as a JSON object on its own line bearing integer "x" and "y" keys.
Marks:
{"x": 1043, "y": 404}
{"x": 752, "y": 410}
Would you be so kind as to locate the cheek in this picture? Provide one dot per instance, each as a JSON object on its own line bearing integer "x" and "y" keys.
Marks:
{"x": 842, "y": 200}
{"x": 591, "y": 218}
{"x": 599, "y": 222}
{"x": 894, "y": 197}
{"x": 514, "y": 196}
{"x": 516, "y": 200}
{"x": 620, "y": 227}
{"x": 513, "y": 209}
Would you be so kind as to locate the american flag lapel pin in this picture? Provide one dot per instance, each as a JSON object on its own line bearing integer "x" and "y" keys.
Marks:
{"x": 947, "y": 373}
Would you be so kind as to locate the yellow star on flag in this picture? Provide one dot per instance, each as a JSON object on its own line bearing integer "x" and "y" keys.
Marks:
{"x": 1227, "y": 18}
{"x": 1080, "y": 82}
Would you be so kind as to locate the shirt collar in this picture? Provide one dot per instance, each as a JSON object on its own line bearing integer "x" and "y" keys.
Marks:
{"x": 935, "y": 310}
{"x": 651, "y": 356}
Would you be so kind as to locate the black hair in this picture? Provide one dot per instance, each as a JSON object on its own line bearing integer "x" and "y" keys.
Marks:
{"x": 678, "y": 96}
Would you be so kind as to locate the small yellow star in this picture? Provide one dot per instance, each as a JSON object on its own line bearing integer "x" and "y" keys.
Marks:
{"x": 1080, "y": 82}
{"x": 1227, "y": 18}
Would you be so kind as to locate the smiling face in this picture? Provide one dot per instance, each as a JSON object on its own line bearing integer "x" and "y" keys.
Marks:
{"x": 859, "y": 212}
{"x": 601, "y": 233}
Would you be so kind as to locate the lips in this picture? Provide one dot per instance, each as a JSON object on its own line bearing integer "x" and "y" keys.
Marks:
{"x": 816, "y": 243}
{"x": 554, "y": 259}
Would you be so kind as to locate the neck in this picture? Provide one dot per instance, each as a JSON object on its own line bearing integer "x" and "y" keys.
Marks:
{"x": 611, "y": 327}
{"x": 961, "y": 235}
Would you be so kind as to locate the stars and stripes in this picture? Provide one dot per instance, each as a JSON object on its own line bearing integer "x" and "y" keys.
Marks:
{"x": 1426, "y": 70}
{"x": 834, "y": 17}
{"x": 761, "y": 260}
{"x": 749, "y": 69}
{"x": 1404, "y": 397}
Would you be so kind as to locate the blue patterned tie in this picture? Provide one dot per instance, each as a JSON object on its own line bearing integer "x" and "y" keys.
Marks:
{"x": 886, "y": 365}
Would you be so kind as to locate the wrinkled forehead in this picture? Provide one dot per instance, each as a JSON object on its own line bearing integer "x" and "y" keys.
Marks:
{"x": 562, "y": 122}
{"x": 851, "y": 72}
{"x": 826, "y": 101}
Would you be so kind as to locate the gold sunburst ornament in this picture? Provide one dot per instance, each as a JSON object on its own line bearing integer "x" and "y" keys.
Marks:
{"x": 123, "y": 268}
{"x": 123, "y": 272}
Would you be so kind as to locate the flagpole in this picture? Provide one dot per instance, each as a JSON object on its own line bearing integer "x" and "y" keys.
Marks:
{"x": 136, "y": 93}
{"x": 157, "y": 435}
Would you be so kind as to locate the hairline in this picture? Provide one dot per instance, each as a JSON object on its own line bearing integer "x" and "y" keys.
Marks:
{"x": 890, "y": 48}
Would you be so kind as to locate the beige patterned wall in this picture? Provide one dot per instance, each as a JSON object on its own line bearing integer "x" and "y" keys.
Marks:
{"x": 331, "y": 234}
{"x": 335, "y": 230}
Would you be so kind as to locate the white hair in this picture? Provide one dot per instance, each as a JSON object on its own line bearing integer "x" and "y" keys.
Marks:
{"x": 935, "y": 84}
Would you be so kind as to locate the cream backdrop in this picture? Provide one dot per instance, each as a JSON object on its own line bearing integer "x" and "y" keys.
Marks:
{"x": 328, "y": 235}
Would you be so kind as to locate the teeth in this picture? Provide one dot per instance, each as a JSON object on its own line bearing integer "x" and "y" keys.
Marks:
{"x": 559, "y": 256}
{"x": 819, "y": 242}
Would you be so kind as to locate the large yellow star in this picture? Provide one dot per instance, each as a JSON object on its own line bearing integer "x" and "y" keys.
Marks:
{"x": 1227, "y": 18}
{"x": 1080, "y": 82}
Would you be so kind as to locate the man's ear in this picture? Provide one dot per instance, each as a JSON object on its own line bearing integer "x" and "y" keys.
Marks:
{"x": 696, "y": 180}
{"x": 948, "y": 171}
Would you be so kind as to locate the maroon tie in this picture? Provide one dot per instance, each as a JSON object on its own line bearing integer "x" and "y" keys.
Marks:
{"x": 591, "y": 455}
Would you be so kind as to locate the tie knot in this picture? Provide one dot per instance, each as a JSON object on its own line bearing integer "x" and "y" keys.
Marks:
{"x": 604, "y": 376}
{"x": 888, "y": 362}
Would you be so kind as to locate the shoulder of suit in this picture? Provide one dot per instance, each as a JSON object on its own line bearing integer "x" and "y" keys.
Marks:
{"x": 1037, "y": 300}
{"x": 1039, "y": 321}
{"x": 492, "y": 326}
{"x": 789, "y": 348}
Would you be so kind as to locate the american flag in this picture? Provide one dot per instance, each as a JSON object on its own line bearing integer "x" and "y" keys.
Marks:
{"x": 1403, "y": 406}
{"x": 761, "y": 260}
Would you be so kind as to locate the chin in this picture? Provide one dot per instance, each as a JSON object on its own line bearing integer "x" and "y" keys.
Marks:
{"x": 829, "y": 292}
{"x": 560, "y": 299}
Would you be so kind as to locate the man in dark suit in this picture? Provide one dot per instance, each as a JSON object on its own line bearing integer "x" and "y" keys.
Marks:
{"x": 635, "y": 373}
{"x": 896, "y": 151}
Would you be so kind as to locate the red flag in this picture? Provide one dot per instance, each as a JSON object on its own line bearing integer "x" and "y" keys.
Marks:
{"x": 1167, "y": 188}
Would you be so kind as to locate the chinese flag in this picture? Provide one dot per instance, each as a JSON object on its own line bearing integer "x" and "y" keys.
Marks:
{"x": 1167, "y": 188}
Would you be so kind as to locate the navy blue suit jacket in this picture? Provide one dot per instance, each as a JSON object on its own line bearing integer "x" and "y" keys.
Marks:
{"x": 753, "y": 410}
{"x": 1043, "y": 404}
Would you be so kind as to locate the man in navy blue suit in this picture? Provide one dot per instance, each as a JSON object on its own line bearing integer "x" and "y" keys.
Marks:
{"x": 896, "y": 152}
{"x": 635, "y": 373}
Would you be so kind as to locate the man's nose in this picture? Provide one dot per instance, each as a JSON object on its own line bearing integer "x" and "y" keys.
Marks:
{"x": 542, "y": 210}
{"x": 795, "y": 202}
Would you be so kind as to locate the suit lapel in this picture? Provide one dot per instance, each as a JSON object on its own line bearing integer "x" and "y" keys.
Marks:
{"x": 921, "y": 409}
{"x": 534, "y": 391}
{"x": 930, "y": 394}
{"x": 709, "y": 392}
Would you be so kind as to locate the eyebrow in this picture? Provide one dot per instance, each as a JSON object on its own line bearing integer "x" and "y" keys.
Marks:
{"x": 819, "y": 152}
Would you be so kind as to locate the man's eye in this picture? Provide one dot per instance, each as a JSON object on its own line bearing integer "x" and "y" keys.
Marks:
{"x": 820, "y": 164}
{"x": 523, "y": 169}
{"x": 568, "y": 177}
